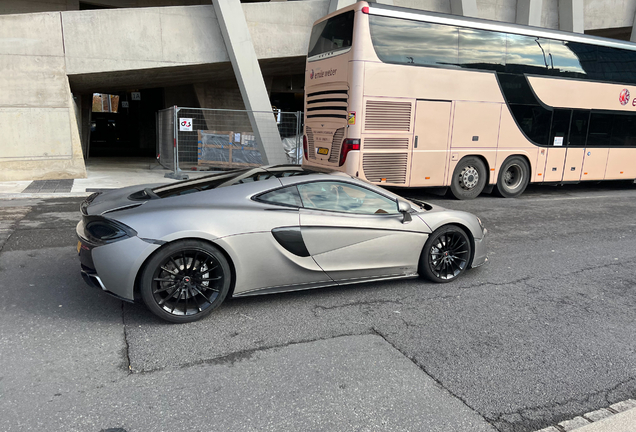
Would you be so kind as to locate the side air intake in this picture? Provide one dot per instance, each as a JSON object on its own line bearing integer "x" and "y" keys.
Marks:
{"x": 384, "y": 115}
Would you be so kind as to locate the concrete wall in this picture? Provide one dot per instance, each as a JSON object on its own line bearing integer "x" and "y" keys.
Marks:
{"x": 609, "y": 13}
{"x": 442, "y": 6}
{"x": 118, "y": 39}
{"x": 498, "y": 10}
{"x": 32, "y": 6}
{"x": 40, "y": 136}
{"x": 124, "y": 39}
{"x": 282, "y": 29}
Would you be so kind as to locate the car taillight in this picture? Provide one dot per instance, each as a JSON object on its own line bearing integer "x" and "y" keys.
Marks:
{"x": 305, "y": 147}
{"x": 100, "y": 230}
{"x": 348, "y": 145}
{"x": 104, "y": 230}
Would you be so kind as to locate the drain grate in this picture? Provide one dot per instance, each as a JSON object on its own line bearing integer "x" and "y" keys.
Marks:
{"x": 49, "y": 186}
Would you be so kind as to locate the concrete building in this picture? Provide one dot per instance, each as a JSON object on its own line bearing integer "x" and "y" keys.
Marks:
{"x": 55, "y": 55}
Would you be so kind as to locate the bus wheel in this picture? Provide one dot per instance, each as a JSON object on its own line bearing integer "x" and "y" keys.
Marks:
{"x": 469, "y": 178}
{"x": 513, "y": 177}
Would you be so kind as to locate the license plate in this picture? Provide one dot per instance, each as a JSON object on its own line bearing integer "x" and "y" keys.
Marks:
{"x": 323, "y": 150}
{"x": 79, "y": 246}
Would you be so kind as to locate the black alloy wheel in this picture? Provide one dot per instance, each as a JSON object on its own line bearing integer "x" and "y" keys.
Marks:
{"x": 185, "y": 281}
{"x": 514, "y": 176}
{"x": 446, "y": 254}
{"x": 469, "y": 178}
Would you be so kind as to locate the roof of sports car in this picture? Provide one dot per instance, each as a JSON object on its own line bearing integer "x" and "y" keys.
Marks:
{"x": 240, "y": 176}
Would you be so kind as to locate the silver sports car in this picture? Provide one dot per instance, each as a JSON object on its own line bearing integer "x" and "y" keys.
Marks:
{"x": 182, "y": 248}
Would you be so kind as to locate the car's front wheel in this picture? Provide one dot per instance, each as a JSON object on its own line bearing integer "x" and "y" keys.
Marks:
{"x": 185, "y": 281}
{"x": 446, "y": 254}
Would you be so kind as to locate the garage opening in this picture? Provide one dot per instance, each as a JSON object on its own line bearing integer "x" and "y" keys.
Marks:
{"x": 123, "y": 124}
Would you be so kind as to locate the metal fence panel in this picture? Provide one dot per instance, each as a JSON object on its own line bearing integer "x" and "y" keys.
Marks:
{"x": 218, "y": 139}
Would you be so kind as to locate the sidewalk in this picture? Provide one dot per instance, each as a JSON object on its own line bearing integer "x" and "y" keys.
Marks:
{"x": 102, "y": 173}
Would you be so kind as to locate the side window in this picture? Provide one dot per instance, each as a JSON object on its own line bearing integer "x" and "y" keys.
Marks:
{"x": 287, "y": 196}
{"x": 578, "y": 128}
{"x": 481, "y": 49}
{"x": 412, "y": 42}
{"x": 565, "y": 58}
{"x": 345, "y": 197}
{"x": 527, "y": 54}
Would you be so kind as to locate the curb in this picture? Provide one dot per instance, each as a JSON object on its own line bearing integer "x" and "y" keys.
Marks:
{"x": 600, "y": 420}
{"x": 15, "y": 196}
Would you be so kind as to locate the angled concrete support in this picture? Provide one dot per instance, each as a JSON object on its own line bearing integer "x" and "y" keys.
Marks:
{"x": 632, "y": 38}
{"x": 334, "y": 5}
{"x": 571, "y": 16}
{"x": 467, "y": 8}
{"x": 238, "y": 42}
{"x": 529, "y": 12}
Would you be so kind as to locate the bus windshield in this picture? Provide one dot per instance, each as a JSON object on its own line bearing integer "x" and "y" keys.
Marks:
{"x": 334, "y": 34}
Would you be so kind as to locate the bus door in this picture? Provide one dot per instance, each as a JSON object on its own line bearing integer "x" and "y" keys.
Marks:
{"x": 563, "y": 161}
{"x": 576, "y": 146}
{"x": 430, "y": 143}
{"x": 595, "y": 161}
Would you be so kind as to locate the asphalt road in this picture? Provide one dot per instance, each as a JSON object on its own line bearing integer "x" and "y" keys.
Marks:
{"x": 542, "y": 333}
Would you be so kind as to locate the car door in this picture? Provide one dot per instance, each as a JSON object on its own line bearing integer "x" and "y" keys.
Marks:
{"x": 273, "y": 259}
{"x": 355, "y": 233}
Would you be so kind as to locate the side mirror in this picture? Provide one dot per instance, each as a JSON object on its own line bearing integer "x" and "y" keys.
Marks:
{"x": 404, "y": 208}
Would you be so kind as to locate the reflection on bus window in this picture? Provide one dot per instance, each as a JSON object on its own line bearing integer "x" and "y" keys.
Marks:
{"x": 527, "y": 54}
{"x": 482, "y": 49}
{"x": 411, "y": 42}
{"x": 564, "y": 61}
{"x": 334, "y": 34}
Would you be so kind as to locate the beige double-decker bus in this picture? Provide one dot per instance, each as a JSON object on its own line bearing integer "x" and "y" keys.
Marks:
{"x": 409, "y": 98}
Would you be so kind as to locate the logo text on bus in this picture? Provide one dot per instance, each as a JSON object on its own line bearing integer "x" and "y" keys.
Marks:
{"x": 322, "y": 74}
{"x": 623, "y": 98}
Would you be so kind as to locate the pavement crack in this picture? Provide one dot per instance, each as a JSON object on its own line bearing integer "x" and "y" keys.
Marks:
{"x": 358, "y": 303}
{"x": 126, "y": 351}
{"x": 437, "y": 381}
{"x": 238, "y": 356}
{"x": 524, "y": 280}
{"x": 566, "y": 409}
{"x": 14, "y": 226}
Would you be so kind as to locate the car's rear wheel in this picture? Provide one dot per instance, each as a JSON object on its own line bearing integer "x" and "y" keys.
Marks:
{"x": 446, "y": 254}
{"x": 185, "y": 281}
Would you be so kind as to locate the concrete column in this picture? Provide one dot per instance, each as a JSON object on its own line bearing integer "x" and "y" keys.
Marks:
{"x": 529, "y": 12}
{"x": 571, "y": 16}
{"x": 334, "y": 5}
{"x": 632, "y": 38}
{"x": 240, "y": 49}
{"x": 86, "y": 110}
{"x": 467, "y": 8}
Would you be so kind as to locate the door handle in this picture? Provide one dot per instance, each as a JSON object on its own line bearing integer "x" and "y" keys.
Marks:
{"x": 415, "y": 144}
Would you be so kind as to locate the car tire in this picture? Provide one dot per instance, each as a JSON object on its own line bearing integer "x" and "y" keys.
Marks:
{"x": 446, "y": 254}
{"x": 185, "y": 281}
{"x": 469, "y": 178}
{"x": 513, "y": 179}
